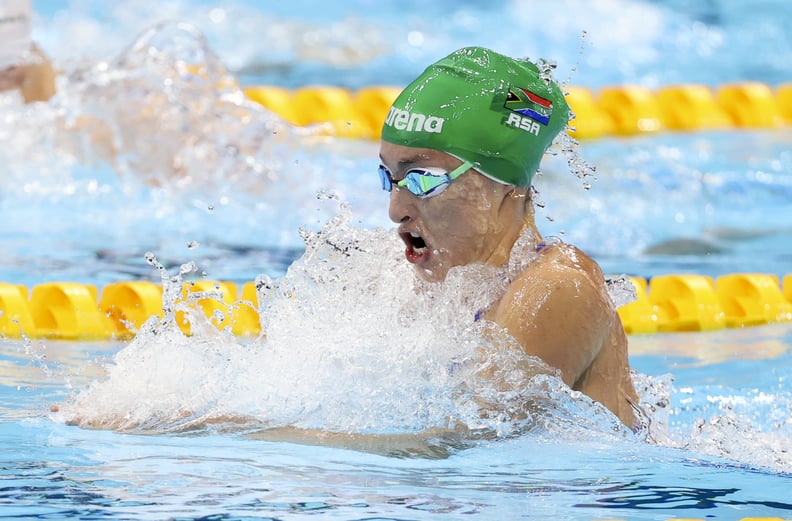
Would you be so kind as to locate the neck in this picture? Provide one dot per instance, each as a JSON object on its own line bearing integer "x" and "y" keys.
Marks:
{"x": 517, "y": 213}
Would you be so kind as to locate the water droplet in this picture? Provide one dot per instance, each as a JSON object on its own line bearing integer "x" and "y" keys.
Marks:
{"x": 326, "y": 196}
{"x": 621, "y": 290}
{"x": 192, "y": 245}
{"x": 188, "y": 267}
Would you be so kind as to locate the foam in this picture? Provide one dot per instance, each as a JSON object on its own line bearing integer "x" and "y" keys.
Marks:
{"x": 355, "y": 343}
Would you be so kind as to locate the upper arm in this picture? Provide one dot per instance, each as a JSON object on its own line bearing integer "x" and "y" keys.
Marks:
{"x": 38, "y": 82}
{"x": 560, "y": 312}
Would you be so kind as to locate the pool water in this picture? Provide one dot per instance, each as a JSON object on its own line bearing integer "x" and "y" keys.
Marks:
{"x": 202, "y": 177}
{"x": 728, "y": 456}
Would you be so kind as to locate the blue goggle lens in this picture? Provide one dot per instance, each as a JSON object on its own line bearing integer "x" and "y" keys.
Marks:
{"x": 423, "y": 182}
{"x": 385, "y": 178}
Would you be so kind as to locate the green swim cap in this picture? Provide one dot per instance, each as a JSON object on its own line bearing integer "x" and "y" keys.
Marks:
{"x": 483, "y": 107}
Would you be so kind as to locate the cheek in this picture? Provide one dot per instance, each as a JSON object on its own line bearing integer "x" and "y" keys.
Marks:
{"x": 478, "y": 214}
{"x": 468, "y": 223}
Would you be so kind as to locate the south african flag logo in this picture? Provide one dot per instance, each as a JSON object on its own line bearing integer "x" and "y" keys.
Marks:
{"x": 527, "y": 103}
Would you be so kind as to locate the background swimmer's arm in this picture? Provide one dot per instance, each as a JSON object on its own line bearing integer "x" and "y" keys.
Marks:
{"x": 87, "y": 137}
{"x": 558, "y": 309}
{"x": 38, "y": 83}
{"x": 35, "y": 81}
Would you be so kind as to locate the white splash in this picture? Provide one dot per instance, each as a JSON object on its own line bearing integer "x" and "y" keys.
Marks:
{"x": 354, "y": 343}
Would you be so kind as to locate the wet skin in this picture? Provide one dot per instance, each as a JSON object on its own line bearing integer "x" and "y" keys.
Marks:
{"x": 558, "y": 308}
{"x": 473, "y": 221}
{"x": 35, "y": 81}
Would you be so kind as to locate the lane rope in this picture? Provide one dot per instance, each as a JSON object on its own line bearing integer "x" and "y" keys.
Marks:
{"x": 78, "y": 311}
{"x": 668, "y": 303}
{"x": 620, "y": 110}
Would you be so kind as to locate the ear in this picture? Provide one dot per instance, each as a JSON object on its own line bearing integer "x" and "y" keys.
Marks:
{"x": 519, "y": 192}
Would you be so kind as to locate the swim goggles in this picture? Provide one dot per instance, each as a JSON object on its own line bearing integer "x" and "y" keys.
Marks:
{"x": 423, "y": 182}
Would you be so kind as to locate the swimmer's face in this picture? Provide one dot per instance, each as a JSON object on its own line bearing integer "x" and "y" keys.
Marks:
{"x": 473, "y": 221}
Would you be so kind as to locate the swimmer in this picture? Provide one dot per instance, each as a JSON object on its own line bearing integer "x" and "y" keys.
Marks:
{"x": 460, "y": 147}
{"x": 23, "y": 65}
{"x": 459, "y": 150}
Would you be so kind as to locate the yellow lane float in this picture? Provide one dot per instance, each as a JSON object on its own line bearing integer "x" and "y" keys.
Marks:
{"x": 618, "y": 110}
{"x": 664, "y": 304}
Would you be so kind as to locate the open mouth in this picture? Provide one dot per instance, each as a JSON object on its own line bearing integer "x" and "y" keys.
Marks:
{"x": 416, "y": 246}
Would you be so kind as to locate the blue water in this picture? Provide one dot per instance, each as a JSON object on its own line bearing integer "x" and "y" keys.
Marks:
{"x": 708, "y": 202}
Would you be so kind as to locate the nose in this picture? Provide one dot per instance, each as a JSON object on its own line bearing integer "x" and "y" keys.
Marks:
{"x": 400, "y": 206}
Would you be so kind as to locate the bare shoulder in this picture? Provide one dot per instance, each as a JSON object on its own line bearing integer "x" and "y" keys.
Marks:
{"x": 560, "y": 273}
{"x": 559, "y": 310}
{"x": 568, "y": 261}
